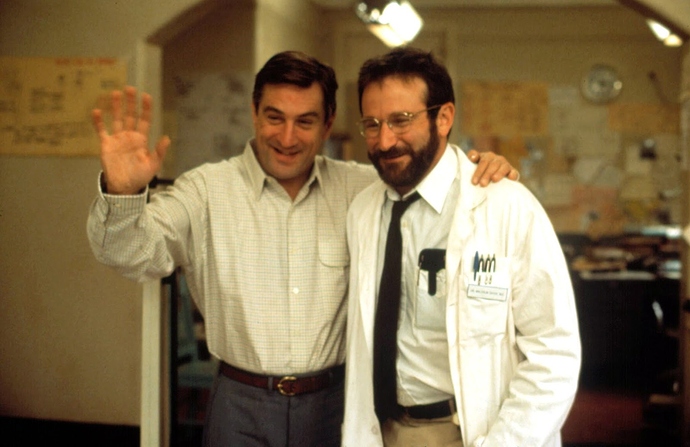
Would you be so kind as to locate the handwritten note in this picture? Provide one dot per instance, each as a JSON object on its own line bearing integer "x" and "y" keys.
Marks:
{"x": 45, "y": 103}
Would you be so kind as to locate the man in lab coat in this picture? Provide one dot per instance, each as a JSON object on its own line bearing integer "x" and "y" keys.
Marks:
{"x": 486, "y": 348}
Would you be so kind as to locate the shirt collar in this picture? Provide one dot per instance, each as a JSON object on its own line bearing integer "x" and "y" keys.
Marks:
{"x": 258, "y": 178}
{"x": 435, "y": 186}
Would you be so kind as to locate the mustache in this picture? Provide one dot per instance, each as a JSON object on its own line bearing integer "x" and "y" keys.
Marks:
{"x": 392, "y": 152}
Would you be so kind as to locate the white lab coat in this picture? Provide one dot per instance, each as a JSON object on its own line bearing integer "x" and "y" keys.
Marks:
{"x": 514, "y": 362}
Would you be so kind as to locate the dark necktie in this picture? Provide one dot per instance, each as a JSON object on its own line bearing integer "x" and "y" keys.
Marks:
{"x": 387, "y": 315}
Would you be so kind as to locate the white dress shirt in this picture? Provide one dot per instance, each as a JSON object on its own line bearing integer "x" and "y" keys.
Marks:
{"x": 269, "y": 274}
{"x": 423, "y": 370}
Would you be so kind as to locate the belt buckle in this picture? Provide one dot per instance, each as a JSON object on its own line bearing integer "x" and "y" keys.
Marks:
{"x": 281, "y": 385}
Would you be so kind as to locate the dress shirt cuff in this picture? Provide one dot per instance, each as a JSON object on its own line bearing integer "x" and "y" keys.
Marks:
{"x": 102, "y": 187}
{"x": 120, "y": 204}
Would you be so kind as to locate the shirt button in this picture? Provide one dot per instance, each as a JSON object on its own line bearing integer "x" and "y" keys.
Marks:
{"x": 295, "y": 290}
{"x": 375, "y": 429}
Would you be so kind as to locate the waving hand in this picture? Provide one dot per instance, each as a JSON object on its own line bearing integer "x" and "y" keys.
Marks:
{"x": 128, "y": 164}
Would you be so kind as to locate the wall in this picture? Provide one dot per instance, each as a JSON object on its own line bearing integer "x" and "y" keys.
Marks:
{"x": 287, "y": 25}
{"x": 554, "y": 47}
{"x": 70, "y": 328}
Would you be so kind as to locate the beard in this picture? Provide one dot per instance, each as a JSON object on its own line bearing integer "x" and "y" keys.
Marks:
{"x": 413, "y": 173}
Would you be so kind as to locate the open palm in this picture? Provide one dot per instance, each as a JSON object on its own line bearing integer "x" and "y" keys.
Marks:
{"x": 128, "y": 163}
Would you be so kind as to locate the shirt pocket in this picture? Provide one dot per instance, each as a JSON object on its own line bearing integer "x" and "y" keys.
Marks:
{"x": 430, "y": 309}
{"x": 332, "y": 246}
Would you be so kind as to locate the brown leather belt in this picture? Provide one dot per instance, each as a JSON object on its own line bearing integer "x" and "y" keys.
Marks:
{"x": 286, "y": 385}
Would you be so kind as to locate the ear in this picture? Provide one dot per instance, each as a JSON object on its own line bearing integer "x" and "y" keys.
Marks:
{"x": 255, "y": 115}
{"x": 328, "y": 127}
{"x": 445, "y": 119}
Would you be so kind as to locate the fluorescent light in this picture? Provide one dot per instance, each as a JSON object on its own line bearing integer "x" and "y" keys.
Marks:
{"x": 396, "y": 24}
{"x": 386, "y": 34}
{"x": 673, "y": 41}
{"x": 664, "y": 34}
{"x": 659, "y": 30}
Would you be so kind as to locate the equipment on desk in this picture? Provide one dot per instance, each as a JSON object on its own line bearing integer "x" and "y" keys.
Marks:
{"x": 640, "y": 254}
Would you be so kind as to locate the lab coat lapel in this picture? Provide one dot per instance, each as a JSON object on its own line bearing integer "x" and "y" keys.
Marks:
{"x": 369, "y": 226}
{"x": 463, "y": 221}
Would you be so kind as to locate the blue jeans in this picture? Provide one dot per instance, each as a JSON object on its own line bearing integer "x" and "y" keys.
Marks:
{"x": 240, "y": 415}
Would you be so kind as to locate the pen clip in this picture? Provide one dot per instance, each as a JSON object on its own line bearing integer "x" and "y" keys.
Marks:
{"x": 491, "y": 264}
{"x": 475, "y": 268}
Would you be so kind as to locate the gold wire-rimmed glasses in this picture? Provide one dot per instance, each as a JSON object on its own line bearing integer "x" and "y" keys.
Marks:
{"x": 398, "y": 123}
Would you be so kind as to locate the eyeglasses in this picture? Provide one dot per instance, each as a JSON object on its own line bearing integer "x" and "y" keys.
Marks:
{"x": 397, "y": 122}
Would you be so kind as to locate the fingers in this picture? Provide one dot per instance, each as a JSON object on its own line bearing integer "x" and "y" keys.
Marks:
{"x": 482, "y": 175}
{"x": 125, "y": 115}
{"x": 501, "y": 170}
{"x": 144, "y": 124}
{"x": 131, "y": 109}
{"x": 97, "y": 120}
{"x": 116, "y": 102}
{"x": 493, "y": 168}
{"x": 473, "y": 155}
{"x": 162, "y": 148}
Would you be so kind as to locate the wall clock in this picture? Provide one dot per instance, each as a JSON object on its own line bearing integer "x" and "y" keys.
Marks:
{"x": 601, "y": 84}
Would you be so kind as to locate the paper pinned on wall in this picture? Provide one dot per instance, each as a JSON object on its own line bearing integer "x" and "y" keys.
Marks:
{"x": 504, "y": 109}
{"x": 634, "y": 164}
{"x": 587, "y": 169}
{"x": 46, "y": 103}
{"x": 563, "y": 95}
{"x": 567, "y": 146}
{"x": 598, "y": 144}
{"x": 562, "y": 120}
{"x": 644, "y": 119}
{"x": 558, "y": 190}
{"x": 598, "y": 210}
{"x": 580, "y": 130}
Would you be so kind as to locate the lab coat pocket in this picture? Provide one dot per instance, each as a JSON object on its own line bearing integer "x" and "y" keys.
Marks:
{"x": 488, "y": 300}
{"x": 430, "y": 302}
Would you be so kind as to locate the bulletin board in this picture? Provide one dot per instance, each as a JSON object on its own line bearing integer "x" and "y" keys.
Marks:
{"x": 46, "y": 103}
{"x": 584, "y": 162}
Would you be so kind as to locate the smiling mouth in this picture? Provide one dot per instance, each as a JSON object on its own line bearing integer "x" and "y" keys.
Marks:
{"x": 393, "y": 158}
{"x": 285, "y": 153}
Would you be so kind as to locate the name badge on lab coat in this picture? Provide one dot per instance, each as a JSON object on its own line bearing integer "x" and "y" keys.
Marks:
{"x": 489, "y": 279}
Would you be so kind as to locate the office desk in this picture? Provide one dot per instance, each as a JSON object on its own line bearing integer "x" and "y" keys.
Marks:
{"x": 624, "y": 347}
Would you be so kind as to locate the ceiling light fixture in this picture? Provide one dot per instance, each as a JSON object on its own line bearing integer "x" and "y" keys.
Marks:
{"x": 395, "y": 22}
{"x": 664, "y": 34}
{"x": 663, "y": 28}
